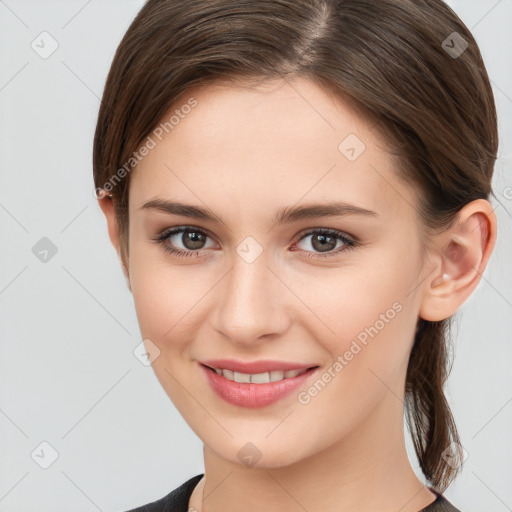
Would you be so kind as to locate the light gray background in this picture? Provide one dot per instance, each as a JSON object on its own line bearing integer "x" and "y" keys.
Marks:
{"x": 68, "y": 375}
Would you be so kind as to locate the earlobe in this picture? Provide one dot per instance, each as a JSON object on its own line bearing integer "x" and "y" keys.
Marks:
{"x": 462, "y": 253}
{"x": 107, "y": 207}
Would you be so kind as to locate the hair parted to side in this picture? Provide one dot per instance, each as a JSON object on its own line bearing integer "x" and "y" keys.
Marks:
{"x": 435, "y": 111}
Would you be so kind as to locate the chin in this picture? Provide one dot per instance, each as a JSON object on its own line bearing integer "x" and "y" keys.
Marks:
{"x": 254, "y": 452}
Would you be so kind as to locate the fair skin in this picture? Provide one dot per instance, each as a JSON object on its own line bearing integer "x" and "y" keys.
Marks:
{"x": 245, "y": 153}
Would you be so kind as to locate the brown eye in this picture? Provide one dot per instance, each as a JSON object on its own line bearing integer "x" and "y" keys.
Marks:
{"x": 193, "y": 240}
{"x": 183, "y": 241}
{"x": 325, "y": 241}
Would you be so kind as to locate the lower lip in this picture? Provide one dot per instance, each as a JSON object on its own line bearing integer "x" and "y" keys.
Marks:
{"x": 253, "y": 395}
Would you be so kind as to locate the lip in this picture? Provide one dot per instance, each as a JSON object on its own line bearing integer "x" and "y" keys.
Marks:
{"x": 255, "y": 366}
{"x": 251, "y": 395}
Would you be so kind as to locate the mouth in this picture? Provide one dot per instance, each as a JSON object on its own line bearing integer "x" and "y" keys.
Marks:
{"x": 258, "y": 378}
{"x": 253, "y": 390}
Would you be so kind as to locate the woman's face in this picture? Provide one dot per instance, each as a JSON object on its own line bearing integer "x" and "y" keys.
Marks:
{"x": 262, "y": 279}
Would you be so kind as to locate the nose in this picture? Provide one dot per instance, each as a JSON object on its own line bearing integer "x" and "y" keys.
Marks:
{"x": 252, "y": 302}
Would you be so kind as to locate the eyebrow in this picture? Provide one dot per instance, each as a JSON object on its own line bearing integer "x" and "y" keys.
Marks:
{"x": 284, "y": 216}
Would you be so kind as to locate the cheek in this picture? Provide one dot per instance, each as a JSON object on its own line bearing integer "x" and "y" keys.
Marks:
{"x": 157, "y": 292}
{"x": 164, "y": 303}
{"x": 167, "y": 305}
{"x": 365, "y": 311}
{"x": 371, "y": 317}
{"x": 171, "y": 301}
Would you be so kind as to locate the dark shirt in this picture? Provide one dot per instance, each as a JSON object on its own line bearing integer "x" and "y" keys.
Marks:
{"x": 177, "y": 500}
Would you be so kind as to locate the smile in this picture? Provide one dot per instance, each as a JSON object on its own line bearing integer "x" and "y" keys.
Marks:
{"x": 254, "y": 390}
{"x": 258, "y": 378}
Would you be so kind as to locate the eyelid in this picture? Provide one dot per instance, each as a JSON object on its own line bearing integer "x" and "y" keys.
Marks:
{"x": 330, "y": 231}
{"x": 184, "y": 227}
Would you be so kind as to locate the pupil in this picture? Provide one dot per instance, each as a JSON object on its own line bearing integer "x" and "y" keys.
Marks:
{"x": 193, "y": 240}
{"x": 323, "y": 240}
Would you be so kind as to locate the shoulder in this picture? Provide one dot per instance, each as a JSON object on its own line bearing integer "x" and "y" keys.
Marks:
{"x": 175, "y": 501}
{"x": 440, "y": 504}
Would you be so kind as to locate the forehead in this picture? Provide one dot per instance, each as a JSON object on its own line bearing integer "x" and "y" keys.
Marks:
{"x": 270, "y": 143}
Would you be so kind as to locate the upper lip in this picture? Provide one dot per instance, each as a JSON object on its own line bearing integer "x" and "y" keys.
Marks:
{"x": 253, "y": 367}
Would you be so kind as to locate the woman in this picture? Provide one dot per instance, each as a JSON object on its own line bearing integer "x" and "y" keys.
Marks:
{"x": 298, "y": 193}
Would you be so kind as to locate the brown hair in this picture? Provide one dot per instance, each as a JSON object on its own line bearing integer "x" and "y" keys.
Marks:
{"x": 398, "y": 61}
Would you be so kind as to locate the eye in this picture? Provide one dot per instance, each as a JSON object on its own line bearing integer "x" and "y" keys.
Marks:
{"x": 325, "y": 240}
{"x": 191, "y": 239}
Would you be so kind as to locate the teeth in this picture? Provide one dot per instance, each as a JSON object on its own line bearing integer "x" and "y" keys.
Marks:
{"x": 242, "y": 377}
{"x": 259, "y": 378}
{"x": 292, "y": 373}
{"x": 276, "y": 375}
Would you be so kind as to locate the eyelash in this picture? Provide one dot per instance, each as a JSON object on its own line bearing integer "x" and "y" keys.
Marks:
{"x": 162, "y": 237}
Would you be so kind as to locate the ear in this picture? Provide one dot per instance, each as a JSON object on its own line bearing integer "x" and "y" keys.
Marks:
{"x": 461, "y": 254}
{"x": 107, "y": 207}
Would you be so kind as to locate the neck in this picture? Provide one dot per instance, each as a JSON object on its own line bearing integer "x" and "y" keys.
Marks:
{"x": 367, "y": 470}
